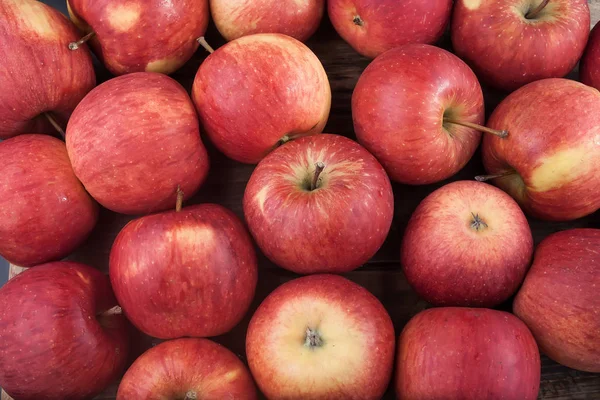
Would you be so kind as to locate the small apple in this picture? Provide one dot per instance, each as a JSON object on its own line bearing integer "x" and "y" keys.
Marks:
{"x": 589, "y": 69}
{"x": 419, "y": 110}
{"x": 45, "y": 213}
{"x": 372, "y": 27}
{"x": 260, "y": 91}
{"x": 467, "y": 354}
{"x": 61, "y": 334}
{"x": 467, "y": 244}
{"x": 133, "y": 140}
{"x": 510, "y": 43}
{"x": 41, "y": 79}
{"x": 298, "y": 19}
{"x": 319, "y": 204}
{"x": 560, "y": 301}
{"x": 137, "y": 36}
{"x": 321, "y": 337}
{"x": 550, "y": 161}
{"x": 187, "y": 369}
{"x": 187, "y": 272}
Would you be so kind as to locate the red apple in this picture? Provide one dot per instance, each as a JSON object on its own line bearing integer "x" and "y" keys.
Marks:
{"x": 45, "y": 212}
{"x": 133, "y": 140}
{"x": 550, "y": 161}
{"x": 510, "y": 43}
{"x": 372, "y": 27}
{"x": 467, "y": 354}
{"x": 136, "y": 36}
{"x": 41, "y": 79}
{"x": 589, "y": 69}
{"x": 298, "y": 19}
{"x": 319, "y": 204}
{"x": 190, "y": 272}
{"x": 321, "y": 337}
{"x": 61, "y": 336}
{"x": 187, "y": 369}
{"x": 467, "y": 244}
{"x": 560, "y": 300}
{"x": 258, "y": 92}
{"x": 409, "y": 108}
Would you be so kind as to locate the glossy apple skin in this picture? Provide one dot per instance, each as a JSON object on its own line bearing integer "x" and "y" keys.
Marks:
{"x": 559, "y": 299}
{"x": 589, "y": 69}
{"x": 450, "y": 262}
{"x": 133, "y": 140}
{"x": 356, "y": 358}
{"x": 258, "y": 90}
{"x": 38, "y": 72}
{"x": 178, "y": 367}
{"x": 467, "y": 354}
{"x": 398, "y": 107}
{"x": 142, "y": 35}
{"x": 389, "y": 23}
{"x": 335, "y": 228}
{"x": 554, "y": 146}
{"x": 45, "y": 213}
{"x": 54, "y": 345}
{"x": 237, "y": 18}
{"x": 507, "y": 51}
{"x": 186, "y": 273}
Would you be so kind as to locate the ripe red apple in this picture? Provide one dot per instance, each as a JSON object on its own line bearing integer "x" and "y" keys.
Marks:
{"x": 550, "y": 161}
{"x": 468, "y": 354}
{"x": 409, "y": 109}
{"x": 136, "y": 36}
{"x": 133, "y": 140}
{"x": 319, "y": 204}
{"x": 589, "y": 69}
{"x": 187, "y": 369}
{"x": 258, "y": 92}
{"x": 298, "y": 19}
{"x": 467, "y": 244}
{"x": 560, "y": 301}
{"x": 45, "y": 212}
{"x": 188, "y": 272}
{"x": 41, "y": 79}
{"x": 321, "y": 337}
{"x": 61, "y": 336}
{"x": 510, "y": 43}
{"x": 372, "y": 27}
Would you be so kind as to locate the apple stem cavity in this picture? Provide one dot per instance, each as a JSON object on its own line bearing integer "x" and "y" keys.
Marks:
{"x": 319, "y": 167}
{"x": 205, "y": 44}
{"x": 116, "y": 310}
{"x": 76, "y": 45}
{"x": 478, "y": 224}
{"x": 532, "y": 14}
{"x": 358, "y": 20}
{"x": 179, "y": 201}
{"x": 500, "y": 134}
{"x": 191, "y": 395}
{"x": 55, "y": 124}
{"x": 313, "y": 339}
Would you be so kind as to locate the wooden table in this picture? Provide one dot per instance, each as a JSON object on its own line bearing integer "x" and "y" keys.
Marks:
{"x": 382, "y": 275}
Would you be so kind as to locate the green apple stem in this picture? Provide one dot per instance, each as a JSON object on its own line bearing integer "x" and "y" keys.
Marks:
{"x": 191, "y": 395}
{"x": 55, "y": 124}
{"x": 319, "y": 167}
{"x": 205, "y": 44}
{"x": 313, "y": 339}
{"x": 358, "y": 20}
{"x": 534, "y": 13}
{"x": 478, "y": 224}
{"x": 179, "y": 201}
{"x": 500, "y": 134}
{"x": 77, "y": 44}
{"x": 485, "y": 178}
{"x": 116, "y": 310}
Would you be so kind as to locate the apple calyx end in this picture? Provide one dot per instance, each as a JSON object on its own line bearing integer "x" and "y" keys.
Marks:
{"x": 313, "y": 339}
{"x": 477, "y": 223}
{"x": 205, "y": 44}
{"x": 190, "y": 395}
{"x": 76, "y": 45}
{"x": 319, "y": 167}
{"x": 179, "y": 201}
{"x": 357, "y": 20}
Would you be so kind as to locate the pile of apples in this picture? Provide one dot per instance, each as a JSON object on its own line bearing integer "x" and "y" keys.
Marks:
{"x": 316, "y": 204}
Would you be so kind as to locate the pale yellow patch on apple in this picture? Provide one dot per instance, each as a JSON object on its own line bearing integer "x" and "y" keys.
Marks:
{"x": 472, "y": 4}
{"x": 123, "y": 17}
{"x": 565, "y": 165}
{"x": 78, "y": 23}
{"x": 261, "y": 197}
{"x": 32, "y": 17}
{"x": 230, "y": 376}
{"x": 83, "y": 278}
{"x": 191, "y": 234}
{"x": 165, "y": 66}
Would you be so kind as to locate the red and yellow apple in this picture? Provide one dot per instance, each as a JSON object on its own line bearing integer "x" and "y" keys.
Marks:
{"x": 589, "y": 69}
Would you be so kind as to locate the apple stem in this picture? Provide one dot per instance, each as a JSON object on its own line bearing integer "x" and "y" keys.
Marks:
{"x": 116, "y": 310}
{"x": 534, "y": 13}
{"x": 485, "y": 178}
{"x": 500, "y": 134}
{"x": 55, "y": 124}
{"x": 478, "y": 224}
{"x": 313, "y": 339}
{"x": 319, "y": 167}
{"x": 205, "y": 44}
{"x": 179, "y": 201}
{"x": 358, "y": 20}
{"x": 77, "y": 44}
{"x": 191, "y": 395}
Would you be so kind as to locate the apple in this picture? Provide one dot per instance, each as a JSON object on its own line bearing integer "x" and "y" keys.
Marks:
{"x": 187, "y": 369}
{"x": 138, "y": 36}
{"x": 298, "y": 19}
{"x": 319, "y": 204}
{"x": 468, "y": 354}
{"x": 467, "y": 244}
{"x": 510, "y": 43}
{"x": 419, "y": 110}
{"x": 260, "y": 91}
{"x": 45, "y": 213}
{"x": 186, "y": 272}
{"x": 41, "y": 79}
{"x": 321, "y": 337}
{"x": 61, "y": 334}
{"x": 133, "y": 140}
{"x": 550, "y": 161}
{"x": 559, "y": 299}
{"x": 589, "y": 69}
{"x": 372, "y": 27}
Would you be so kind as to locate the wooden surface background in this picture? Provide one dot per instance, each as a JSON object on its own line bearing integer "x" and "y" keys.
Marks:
{"x": 382, "y": 275}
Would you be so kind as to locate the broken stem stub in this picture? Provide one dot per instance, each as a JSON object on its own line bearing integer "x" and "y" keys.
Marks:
{"x": 485, "y": 178}
{"x": 179, "y": 201}
{"x": 205, "y": 44}
{"x": 116, "y": 310}
{"x": 55, "y": 124}
{"x": 77, "y": 44}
